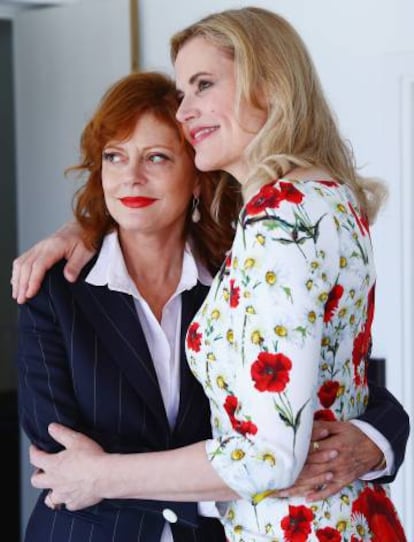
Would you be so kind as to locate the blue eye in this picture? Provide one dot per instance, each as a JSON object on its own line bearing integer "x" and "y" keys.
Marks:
{"x": 203, "y": 84}
{"x": 112, "y": 157}
{"x": 158, "y": 158}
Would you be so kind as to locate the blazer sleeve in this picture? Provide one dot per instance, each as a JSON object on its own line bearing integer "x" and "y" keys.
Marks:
{"x": 387, "y": 415}
{"x": 46, "y": 392}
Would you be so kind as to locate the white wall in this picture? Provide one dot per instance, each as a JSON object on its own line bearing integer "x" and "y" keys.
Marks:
{"x": 66, "y": 57}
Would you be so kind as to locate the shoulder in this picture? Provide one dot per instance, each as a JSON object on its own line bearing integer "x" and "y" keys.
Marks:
{"x": 53, "y": 276}
{"x": 54, "y": 284}
{"x": 56, "y": 271}
{"x": 288, "y": 198}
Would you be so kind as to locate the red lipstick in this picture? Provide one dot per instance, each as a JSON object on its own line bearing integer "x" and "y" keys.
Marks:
{"x": 137, "y": 201}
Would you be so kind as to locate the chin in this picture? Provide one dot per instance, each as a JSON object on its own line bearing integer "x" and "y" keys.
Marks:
{"x": 204, "y": 164}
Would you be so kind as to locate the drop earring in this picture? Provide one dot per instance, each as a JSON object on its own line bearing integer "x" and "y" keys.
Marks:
{"x": 195, "y": 212}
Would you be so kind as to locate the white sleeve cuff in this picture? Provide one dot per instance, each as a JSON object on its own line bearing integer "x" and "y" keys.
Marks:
{"x": 383, "y": 444}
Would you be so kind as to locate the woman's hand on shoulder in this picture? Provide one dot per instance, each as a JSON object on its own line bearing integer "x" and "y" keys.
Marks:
{"x": 29, "y": 268}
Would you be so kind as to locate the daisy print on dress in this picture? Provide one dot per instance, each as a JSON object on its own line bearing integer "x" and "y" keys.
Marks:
{"x": 283, "y": 337}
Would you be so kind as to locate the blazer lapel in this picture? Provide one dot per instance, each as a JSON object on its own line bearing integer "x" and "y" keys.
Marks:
{"x": 114, "y": 317}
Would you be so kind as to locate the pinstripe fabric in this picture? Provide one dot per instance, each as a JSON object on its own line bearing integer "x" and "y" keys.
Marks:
{"x": 83, "y": 361}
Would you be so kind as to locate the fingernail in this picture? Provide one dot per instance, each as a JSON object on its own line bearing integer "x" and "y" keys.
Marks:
{"x": 333, "y": 454}
{"x": 329, "y": 476}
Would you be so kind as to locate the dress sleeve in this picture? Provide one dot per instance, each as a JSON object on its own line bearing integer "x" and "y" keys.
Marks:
{"x": 282, "y": 285}
{"x": 46, "y": 392}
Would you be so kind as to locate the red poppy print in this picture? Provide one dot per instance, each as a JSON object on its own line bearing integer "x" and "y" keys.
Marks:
{"x": 246, "y": 427}
{"x": 194, "y": 337}
{"x": 230, "y": 405}
{"x": 290, "y": 193}
{"x": 362, "y": 342}
{"x": 270, "y": 372}
{"x": 332, "y": 302}
{"x": 267, "y": 198}
{"x": 328, "y": 534}
{"x": 234, "y": 294}
{"x": 361, "y": 220}
{"x": 359, "y": 354}
{"x": 329, "y": 183}
{"x": 324, "y": 414}
{"x": 370, "y": 308}
{"x": 243, "y": 427}
{"x": 327, "y": 393}
{"x": 361, "y": 347}
{"x": 270, "y": 197}
{"x": 380, "y": 513}
{"x": 297, "y": 525}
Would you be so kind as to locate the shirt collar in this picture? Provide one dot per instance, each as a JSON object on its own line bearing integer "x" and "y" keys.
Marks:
{"x": 110, "y": 269}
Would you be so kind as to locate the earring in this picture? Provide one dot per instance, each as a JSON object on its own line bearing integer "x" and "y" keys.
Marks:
{"x": 195, "y": 212}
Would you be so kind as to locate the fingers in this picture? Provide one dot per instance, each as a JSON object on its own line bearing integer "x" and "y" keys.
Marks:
{"x": 29, "y": 269}
{"x": 76, "y": 261}
{"x": 49, "y": 501}
{"x": 323, "y": 491}
{"x": 31, "y": 280}
{"x": 307, "y": 485}
{"x": 314, "y": 447}
{"x": 64, "y": 435}
{"x": 320, "y": 430}
{"x": 39, "y": 460}
{"x": 320, "y": 453}
{"x": 20, "y": 279}
{"x": 38, "y": 479}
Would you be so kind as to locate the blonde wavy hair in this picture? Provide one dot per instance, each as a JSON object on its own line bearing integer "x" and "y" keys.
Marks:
{"x": 273, "y": 67}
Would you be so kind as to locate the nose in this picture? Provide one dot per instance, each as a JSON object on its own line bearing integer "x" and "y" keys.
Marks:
{"x": 135, "y": 172}
{"x": 186, "y": 111}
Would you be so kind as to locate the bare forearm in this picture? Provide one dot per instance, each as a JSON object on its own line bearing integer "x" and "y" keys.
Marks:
{"x": 83, "y": 474}
{"x": 183, "y": 474}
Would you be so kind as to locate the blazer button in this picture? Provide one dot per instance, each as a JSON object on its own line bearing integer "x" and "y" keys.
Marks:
{"x": 170, "y": 515}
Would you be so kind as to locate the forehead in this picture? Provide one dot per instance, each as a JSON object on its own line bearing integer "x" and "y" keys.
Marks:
{"x": 153, "y": 130}
{"x": 200, "y": 56}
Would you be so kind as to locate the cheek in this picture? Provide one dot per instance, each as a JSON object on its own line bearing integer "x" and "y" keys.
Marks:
{"x": 110, "y": 206}
{"x": 108, "y": 192}
{"x": 110, "y": 184}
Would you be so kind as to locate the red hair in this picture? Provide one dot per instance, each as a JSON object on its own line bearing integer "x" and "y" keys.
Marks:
{"x": 115, "y": 118}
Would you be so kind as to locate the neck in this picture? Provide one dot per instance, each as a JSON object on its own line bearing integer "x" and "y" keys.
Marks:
{"x": 154, "y": 264}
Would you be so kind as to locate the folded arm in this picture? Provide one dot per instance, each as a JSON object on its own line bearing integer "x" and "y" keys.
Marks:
{"x": 83, "y": 473}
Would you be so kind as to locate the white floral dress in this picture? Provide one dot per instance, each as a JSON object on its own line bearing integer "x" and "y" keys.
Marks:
{"x": 282, "y": 338}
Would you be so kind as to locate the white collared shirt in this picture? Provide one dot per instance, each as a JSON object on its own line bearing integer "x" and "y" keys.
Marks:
{"x": 163, "y": 338}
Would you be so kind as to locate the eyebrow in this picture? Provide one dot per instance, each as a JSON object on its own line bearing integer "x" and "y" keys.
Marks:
{"x": 194, "y": 78}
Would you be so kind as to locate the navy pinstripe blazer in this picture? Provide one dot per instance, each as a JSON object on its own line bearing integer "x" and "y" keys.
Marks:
{"x": 83, "y": 361}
